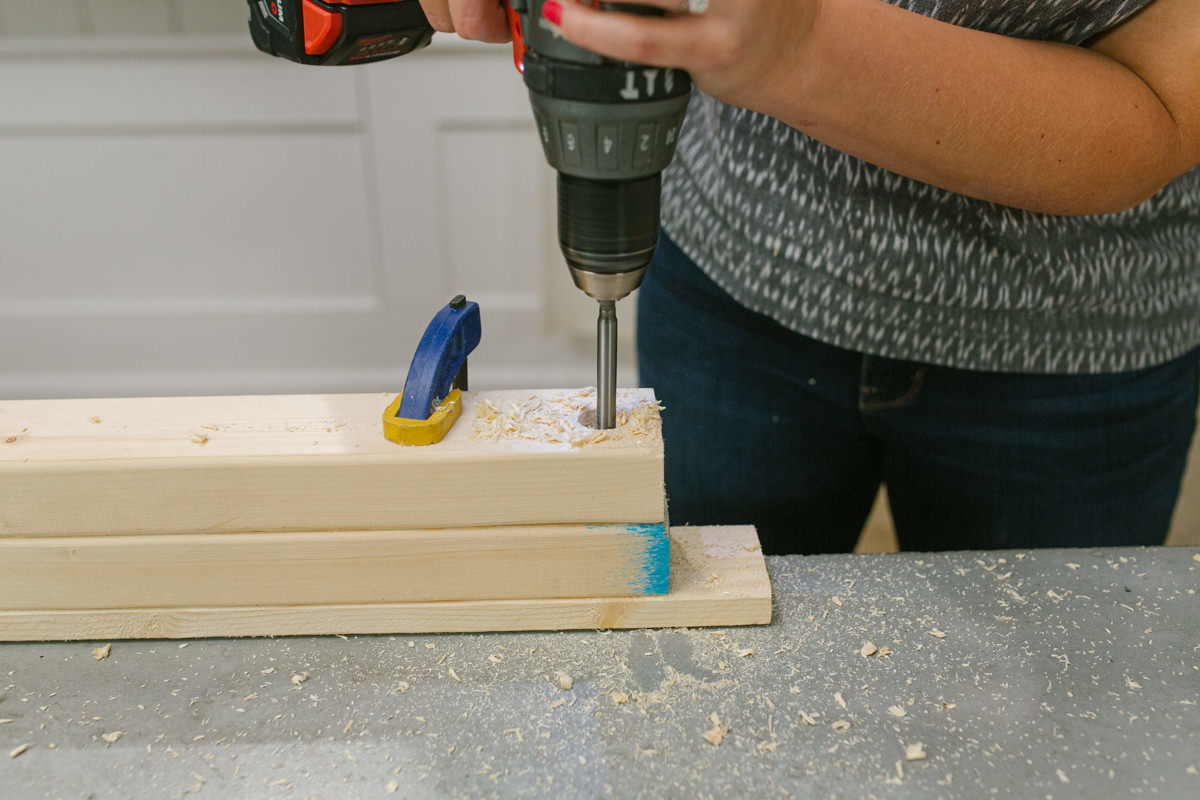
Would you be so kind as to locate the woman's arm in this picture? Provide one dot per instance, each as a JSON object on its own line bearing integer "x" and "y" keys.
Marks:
{"x": 1042, "y": 126}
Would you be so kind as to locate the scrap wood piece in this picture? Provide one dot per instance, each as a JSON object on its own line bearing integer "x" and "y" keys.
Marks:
{"x": 313, "y": 568}
{"x": 301, "y": 462}
{"x": 743, "y": 597}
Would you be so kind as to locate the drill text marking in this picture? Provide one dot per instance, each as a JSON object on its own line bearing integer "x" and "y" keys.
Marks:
{"x": 631, "y": 90}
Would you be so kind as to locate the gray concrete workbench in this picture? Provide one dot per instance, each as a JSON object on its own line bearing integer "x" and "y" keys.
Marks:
{"x": 1048, "y": 674}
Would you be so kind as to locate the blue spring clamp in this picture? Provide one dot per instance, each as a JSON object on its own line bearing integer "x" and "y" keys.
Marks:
{"x": 437, "y": 377}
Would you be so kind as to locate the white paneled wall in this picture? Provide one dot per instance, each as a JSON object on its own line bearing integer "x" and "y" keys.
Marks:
{"x": 180, "y": 214}
{"x": 120, "y": 17}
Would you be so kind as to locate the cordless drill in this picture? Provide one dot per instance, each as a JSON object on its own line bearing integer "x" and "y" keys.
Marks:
{"x": 608, "y": 127}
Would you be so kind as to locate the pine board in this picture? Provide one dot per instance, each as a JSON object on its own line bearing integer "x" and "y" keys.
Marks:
{"x": 718, "y": 578}
{"x": 314, "y": 568}
{"x": 298, "y": 463}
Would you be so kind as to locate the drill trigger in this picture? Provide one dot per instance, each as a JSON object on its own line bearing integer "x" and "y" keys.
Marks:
{"x": 432, "y": 397}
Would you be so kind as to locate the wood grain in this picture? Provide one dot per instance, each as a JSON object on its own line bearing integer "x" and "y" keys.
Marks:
{"x": 296, "y": 463}
{"x": 718, "y": 578}
{"x": 314, "y": 568}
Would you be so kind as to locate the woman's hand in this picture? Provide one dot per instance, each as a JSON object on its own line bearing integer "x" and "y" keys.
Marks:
{"x": 738, "y": 51}
{"x": 1038, "y": 125}
{"x": 482, "y": 20}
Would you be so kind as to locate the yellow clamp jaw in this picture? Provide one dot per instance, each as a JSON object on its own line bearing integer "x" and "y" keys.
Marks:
{"x": 422, "y": 431}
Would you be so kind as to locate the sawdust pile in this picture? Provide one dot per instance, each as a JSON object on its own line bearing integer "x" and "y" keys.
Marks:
{"x": 565, "y": 417}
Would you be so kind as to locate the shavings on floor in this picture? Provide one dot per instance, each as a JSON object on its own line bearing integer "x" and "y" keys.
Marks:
{"x": 18, "y": 750}
{"x": 841, "y": 725}
{"x": 101, "y": 653}
{"x": 868, "y": 649}
{"x": 914, "y": 752}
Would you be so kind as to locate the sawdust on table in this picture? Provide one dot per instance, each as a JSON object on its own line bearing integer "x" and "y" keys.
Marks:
{"x": 717, "y": 733}
{"x": 564, "y": 417}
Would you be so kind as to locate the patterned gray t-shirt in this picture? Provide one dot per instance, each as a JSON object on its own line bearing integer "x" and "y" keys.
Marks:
{"x": 857, "y": 256}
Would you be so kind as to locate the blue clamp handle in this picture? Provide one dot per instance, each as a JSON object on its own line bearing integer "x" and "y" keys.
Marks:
{"x": 440, "y": 363}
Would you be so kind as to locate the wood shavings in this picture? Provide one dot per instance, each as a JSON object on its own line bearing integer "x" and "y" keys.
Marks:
{"x": 618, "y": 698}
{"x": 454, "y": 675}
{"x": 299, "y": 678}
{"x": 950, "y": 706}
{"x": 559, "y": 703}
{"x": 841, "y": 701}
{"x": 808, "y": 719}
{"x": 94, "y": 420}
{"x": 199, "y": 437}
{"x": 884, "y": 652}
{"x": 935, "y": 633}
{"x": 101, "y": 653}
{"x": 560, "y": 417}
{"x": 915, "y": 752}
{"x": 717, "y": 733}
{"x": 1196, "y": 558}
{"x": 495, "y": 659}
{"x": 347, "y": 727}
{"x": 392, "y": 786}
{"x": 837, "y": 601}
{"x": 841, "y": 726}
{"x": 565, "y": 681}
{"x": 11, "y": 440}
{"x": 1062, "y": 776}
{"x": 5, "y": 721}
{"x": 897, "y": 711}
{"x": 18, "y": 750}
{"x": 745, "y": 653}
{"x": 868, "y": 650}
{"x": 112, "y": 738}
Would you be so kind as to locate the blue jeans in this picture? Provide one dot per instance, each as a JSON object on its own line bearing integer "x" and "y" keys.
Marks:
{"x": 765, "y": 426}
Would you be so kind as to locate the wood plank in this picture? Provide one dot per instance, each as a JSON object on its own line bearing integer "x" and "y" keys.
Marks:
{"x": 314, "y": 568}
{"x": 304, "y": 463}
{"x": 718, "y": 578}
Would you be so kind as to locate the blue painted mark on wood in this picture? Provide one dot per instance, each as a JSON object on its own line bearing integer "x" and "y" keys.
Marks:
{"x": 652, "y": 566}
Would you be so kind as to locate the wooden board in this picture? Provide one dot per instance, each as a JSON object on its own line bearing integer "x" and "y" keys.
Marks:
{"x": 314, "y": 568}
{"x": 300, "y": 463}
{"x": 718, "y": 578}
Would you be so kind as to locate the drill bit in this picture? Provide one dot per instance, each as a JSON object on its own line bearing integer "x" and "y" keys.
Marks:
{"x": 606, "y": 366}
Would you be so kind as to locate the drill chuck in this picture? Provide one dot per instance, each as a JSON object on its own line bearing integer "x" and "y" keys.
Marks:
{"x": 608, "y": 231}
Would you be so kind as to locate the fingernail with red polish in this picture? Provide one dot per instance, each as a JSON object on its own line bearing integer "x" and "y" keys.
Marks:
{"x": 552, "y": 12}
